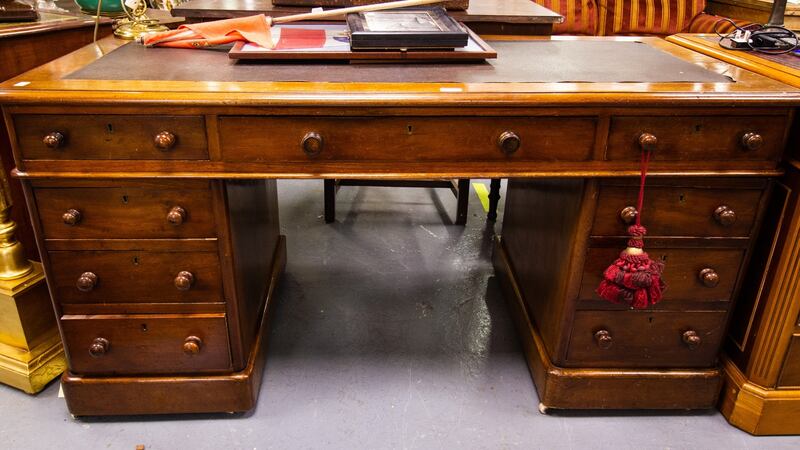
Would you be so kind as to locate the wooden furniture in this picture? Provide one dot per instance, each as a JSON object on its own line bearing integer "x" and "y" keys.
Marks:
{"x": 154, "y": 205}
{"x": 517, "y": 17}
{"x": 31, "y": 354}
{"x": 761, "y": 393}
{"x": 757, "y": 11}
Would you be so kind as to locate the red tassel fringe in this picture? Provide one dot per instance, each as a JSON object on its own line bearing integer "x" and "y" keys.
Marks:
{"x": 633, "y": 279}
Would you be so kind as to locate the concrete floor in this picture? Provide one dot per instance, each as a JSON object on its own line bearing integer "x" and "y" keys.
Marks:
{"x": 389, "y": 331}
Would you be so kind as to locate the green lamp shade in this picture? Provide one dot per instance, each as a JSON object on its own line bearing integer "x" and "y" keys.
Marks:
{"x": 107, "y": 6}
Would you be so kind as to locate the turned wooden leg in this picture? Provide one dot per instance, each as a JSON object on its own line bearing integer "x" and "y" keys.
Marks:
{"x": 330, "y": 200}
{"x": 494, "y": 198}
{"x": 462, "y": 201}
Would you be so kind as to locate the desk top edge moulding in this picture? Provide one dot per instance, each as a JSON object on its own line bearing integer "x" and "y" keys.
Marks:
{"x": 167, "y": 177}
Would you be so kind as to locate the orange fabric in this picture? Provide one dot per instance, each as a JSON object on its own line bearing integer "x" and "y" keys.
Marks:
{"x": 705, "y": 23}
{"x": 255, "y": 29}
{"x": 646, "y": 17}
{"x": 580, "y": 16}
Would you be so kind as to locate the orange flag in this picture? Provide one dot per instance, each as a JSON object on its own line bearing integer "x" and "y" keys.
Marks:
{"x": 255, "y": 29}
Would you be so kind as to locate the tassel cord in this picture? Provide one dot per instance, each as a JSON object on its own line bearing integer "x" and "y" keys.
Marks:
{"x": 640, "y": 201}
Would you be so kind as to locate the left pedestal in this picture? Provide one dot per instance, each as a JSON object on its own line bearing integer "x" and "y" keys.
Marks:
{"x": 31, "y": 354}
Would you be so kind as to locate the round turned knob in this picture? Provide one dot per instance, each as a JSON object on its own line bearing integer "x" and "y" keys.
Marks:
{"x": 724, "y": 215}
{"x": 192, "y": 345}
{"x": 71, "y": 217}
{"x": 648, "y": 142}
{"x": 508, "y": 142}
{"x": 312, "y": 143}
{"x": 53, "y": 140}
{"x": 99, "y": 347}
{"x": 86, "y": 282}
{"x": 628, "y": 214}
{"x": 691, "y": 339}
{"x": 752, "y": 141}
{"x": 176, "y": 215}
{"x": 184, "y": 280}
{"x": 603, "y": 339}
{"x": 709, "y": 277}
{"x": 165, "y": 140}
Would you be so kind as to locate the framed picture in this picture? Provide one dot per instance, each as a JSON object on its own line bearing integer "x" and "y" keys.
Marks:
{"x": 406, "y": 28}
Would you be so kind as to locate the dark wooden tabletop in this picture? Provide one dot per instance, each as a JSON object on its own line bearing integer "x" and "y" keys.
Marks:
{"x": 498, "y": 11}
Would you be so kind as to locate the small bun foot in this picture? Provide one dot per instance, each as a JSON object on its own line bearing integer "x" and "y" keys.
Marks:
{"x": 542, "y": 408}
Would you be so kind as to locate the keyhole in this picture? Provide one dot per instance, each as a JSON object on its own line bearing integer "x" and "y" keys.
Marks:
{"x": 697, "y": 128}
{"x": 109, "y": 128}
{"x": 125, "y": 199}
{"x": 663, "y": 258}
{"x": 410, "y": 129}
{"x": 135, "y": 260}
{"x": 650, "y": 319}
{"x": 144, "y": 328}
{"x": 682, "y": 198}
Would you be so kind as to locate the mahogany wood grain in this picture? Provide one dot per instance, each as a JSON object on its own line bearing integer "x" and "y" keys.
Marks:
{"x": 406, "y": 139}
{"x": 136, "y": 276}
{"x": 645, "y": 339}
{"x": 681, "y": 273}
{"x": 126, "y": 212}
{"x": 677, "y": 209}
{"x": 112, "y": 137}
{"x": 697, "y": 137}
{"x": 146, "y": 343}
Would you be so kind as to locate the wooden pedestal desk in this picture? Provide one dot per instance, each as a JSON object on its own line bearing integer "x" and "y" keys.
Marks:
{"x": 761, "y": 394}
{"x": 150, "y": 177}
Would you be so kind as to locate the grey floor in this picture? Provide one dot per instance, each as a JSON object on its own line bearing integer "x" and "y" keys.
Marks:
{"x": 389, "y": 331}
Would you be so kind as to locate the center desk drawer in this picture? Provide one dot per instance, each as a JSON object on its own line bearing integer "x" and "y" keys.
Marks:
{"x": 87, "y": 136}
{"x": 126, "y": 211}
{"x": 146, "y": 344}
{"x": 645, "y": 339}
{"x": 135, "y": 277}
{"x": 407, "y": 138}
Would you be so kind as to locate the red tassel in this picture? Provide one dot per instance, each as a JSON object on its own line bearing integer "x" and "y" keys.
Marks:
{"x": 634, "y": 279}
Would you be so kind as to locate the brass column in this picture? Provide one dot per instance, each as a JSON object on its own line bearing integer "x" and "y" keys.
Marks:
{"x": 31, "y": 354}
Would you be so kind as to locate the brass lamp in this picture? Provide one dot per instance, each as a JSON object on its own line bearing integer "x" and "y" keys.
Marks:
{"x": 131, "y": 22}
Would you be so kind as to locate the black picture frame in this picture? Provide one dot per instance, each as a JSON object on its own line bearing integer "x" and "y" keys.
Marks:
{"x": 406, "y": 28}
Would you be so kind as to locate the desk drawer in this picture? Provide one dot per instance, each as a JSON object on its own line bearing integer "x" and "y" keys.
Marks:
{"x": 674, "y": 209}
{"x": 169, "y": 210}
{"x": 407, "y": 139}
{"x": 699, "y": 138}
{"x": 146, "y": 344}
{"x": 135, "y": 277}
{"x": 50, "y": 136}
{"x": 645, "y": 339}
{"x": 691, "y": 274}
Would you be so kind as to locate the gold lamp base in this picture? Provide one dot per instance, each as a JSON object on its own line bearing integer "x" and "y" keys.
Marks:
{"x": 31, "y": 353}
{"x": 132, "y": 29}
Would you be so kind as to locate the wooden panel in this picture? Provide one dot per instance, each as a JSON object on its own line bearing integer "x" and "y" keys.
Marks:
{"x": 126, "y": 211}
{"x": 645, "y": 339}
{"x": 146, "y": 344}
{"x": 406, "y": 139}
{"x": 678, "y": 210}
{"x": 790, "y": 374}
{"x": 710, "y": 138}
{"x": 110, "y": 136}
{"x": 135, "y": 276}
{"x": 681, "y": 273}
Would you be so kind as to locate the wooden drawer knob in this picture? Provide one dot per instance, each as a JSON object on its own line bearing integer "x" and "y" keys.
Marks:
{"x": 648, "y": 142}
{"x": 724, "y": 215}
{"x": 691, "y": 339}
{"x": 176, "y": 215}
{"x": 192, "y": 345}
{"x": 752, "y": 141}
{"x": 165, "y": 140}
{"x": 184, "y": 280}
{"x": 86, "y": 282}
{"x": 71, "y": 217}
{"x": 99, "y": 347}
{"x": 312, "y": 143}
{"x": 54, "y": 140}
{"x": 709, "y": 277}
{"x": 508, "y": 142}
{"x": 628, "y": 214}
{"x": 603, "y": 339}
